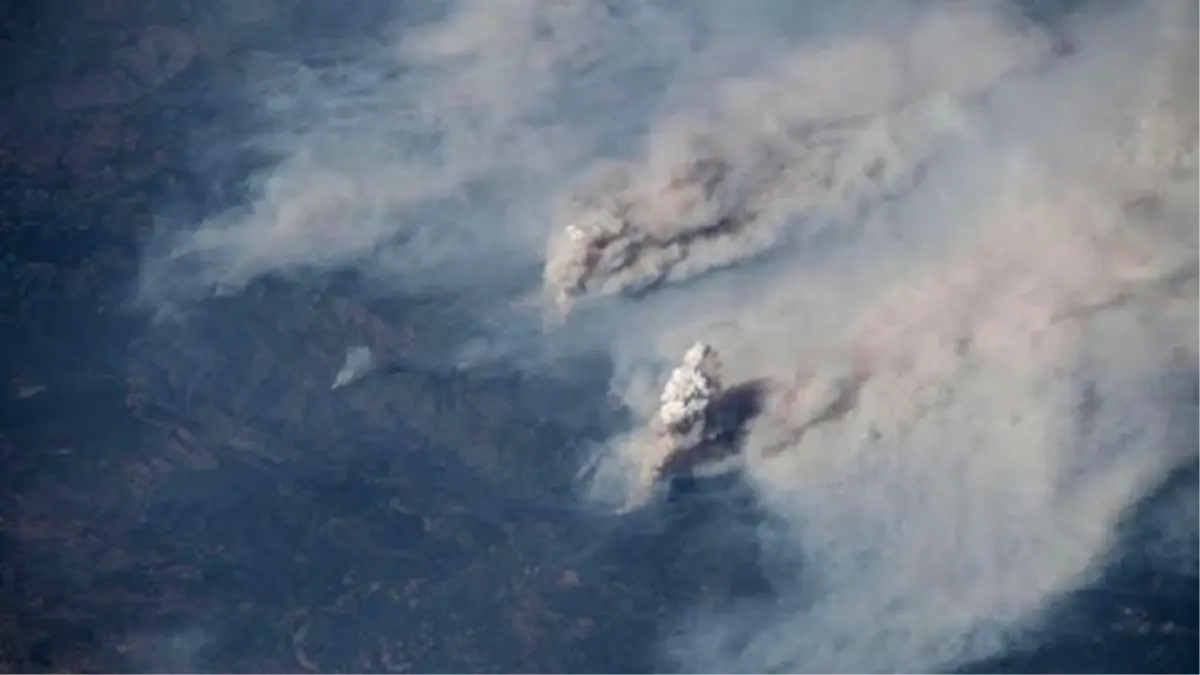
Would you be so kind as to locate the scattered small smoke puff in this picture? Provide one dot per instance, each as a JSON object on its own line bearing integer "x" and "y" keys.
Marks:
{"x": 775, "y": 163}
{"x": 357, "y": 364}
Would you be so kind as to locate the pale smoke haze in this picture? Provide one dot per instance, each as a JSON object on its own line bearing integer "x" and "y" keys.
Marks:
{"x": 959, "y": 247}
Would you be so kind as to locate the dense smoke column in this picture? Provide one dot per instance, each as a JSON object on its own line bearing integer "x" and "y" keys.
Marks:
{"x": 710, "y": 213}
{"x": 679, "y": 424}
{"x": 710, "y": 191}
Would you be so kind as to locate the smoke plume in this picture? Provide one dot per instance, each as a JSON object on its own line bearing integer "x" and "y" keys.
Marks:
{"x": 957, "y": 244}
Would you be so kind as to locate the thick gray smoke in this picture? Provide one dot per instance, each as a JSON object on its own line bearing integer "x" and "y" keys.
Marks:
{"x": 959, "y": 249}
{"x": 805, "y": 149}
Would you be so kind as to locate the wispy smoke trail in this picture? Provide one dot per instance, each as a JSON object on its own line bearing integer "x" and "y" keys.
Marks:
{"x": 977, "y": 320}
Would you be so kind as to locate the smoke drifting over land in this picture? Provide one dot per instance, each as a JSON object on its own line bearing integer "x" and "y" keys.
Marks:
{"x": 960, "y": 249}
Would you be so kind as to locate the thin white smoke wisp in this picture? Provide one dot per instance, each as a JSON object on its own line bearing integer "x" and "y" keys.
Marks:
{"x": 979, "y": 243}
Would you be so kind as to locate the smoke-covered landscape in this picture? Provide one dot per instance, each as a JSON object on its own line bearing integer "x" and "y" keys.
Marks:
{"x": 949, "y": 249}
